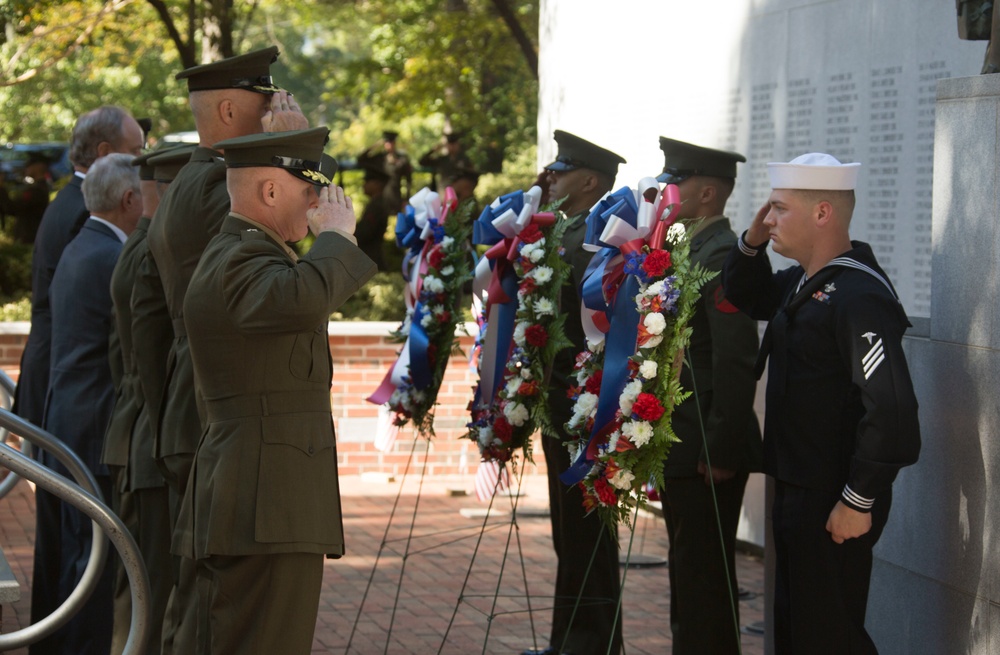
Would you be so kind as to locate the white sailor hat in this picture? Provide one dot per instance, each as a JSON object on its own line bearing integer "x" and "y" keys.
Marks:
{"x": 814, "y": 171}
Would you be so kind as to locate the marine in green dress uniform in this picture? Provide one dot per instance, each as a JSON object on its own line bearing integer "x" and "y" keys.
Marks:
{"x": 587, "y": 553}
{"x": 139, "y": 491}
{"x": 703, "y": 588}
{"x": 263, "y": 505}
{"x": 229, "y": 98}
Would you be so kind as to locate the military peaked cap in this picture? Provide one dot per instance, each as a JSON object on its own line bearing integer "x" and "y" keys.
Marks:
{"x": 251, "y": 72}
{"x": 168, "y": 163}
{"x": 575, "y": 153}
{"x": 682, "y": 160}
{"x": 145, "y": 168}
{"x": 300, "y": 152}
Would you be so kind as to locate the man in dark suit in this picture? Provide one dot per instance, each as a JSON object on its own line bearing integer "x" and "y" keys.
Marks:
{"x": 229, "y": 98}
{"x": 263, "y": 503}
{"x": 139, "y": 491}
{"x": 81, "y": 394}
{"x": 97, "y": 133}
{"x": 706, "y": 473}
{"x": 581, "y": 175}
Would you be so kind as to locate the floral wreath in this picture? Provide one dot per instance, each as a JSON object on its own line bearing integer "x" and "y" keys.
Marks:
{"x": 615, "y": 462}
{"x": 521, "y": 328}
{"x": 436, "y": 267}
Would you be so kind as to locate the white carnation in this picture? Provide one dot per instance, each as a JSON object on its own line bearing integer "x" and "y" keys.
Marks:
{"x": 654, "y": 289}
{"x": 447, "y": 242}
{"x": 512, "y": 386}
{"x": 655, "y": 323}
{"x": 542, "y": 274}
{"x": 516, "y": 413}
{"x": 525, "y": 373}
{"x": 613, "y": 441}
{"x": 638, "y": 432}
{"x": 629, "y": 394}
{"x": 537, "y": 255}
{"x": 622, "y": 479}
{"x": 595, "y": 346}
{"x": 586, "y": 403}
{"x": 427, "y": 320}
{"x": 447, "y": 270}
{"x": 653, "y": 342}
{"x": 675, "y": 233}
{"x": 433, "y": 284}
{"x": 648, "y": 369}
{"x": 485, "y": 436}
{"x": 544, "y": 307}
{"x": 519, "y": 333}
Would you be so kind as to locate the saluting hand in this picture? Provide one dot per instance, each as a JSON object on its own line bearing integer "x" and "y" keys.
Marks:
{"x": 284, "y": 114}
{"x": 846, "y": 523}
{"x": 335, "y": 211}
{"x": 758, "y": 234}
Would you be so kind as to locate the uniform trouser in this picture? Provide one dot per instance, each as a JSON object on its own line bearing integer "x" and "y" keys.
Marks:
{"x": 704, "y": 608}
{"x": 145, "y": 514}
{"x": 258, "y": 604}
{"x": 821, "y": 587}
{"x": 575, "y": 535}
{"x": 180, "y": 620}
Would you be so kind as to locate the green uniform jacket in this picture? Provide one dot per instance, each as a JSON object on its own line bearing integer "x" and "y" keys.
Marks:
{"x": 189, "y": 215}
{"x": 723, "y": 350}
{"x": 265, "y": 472}
{"x": 152, "y": 335}
{"x": 129, "y": 415}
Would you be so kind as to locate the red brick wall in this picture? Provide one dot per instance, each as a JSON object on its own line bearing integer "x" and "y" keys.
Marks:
{"x": 361, "y": 356}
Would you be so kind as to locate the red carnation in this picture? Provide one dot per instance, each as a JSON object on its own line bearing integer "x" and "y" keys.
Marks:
{"x": 435, "y": 257}
{"x": 432, "y": 352}
{"x": 502, "y": 429}
{"x": 531, "y": 233}
{"x": 593, "y": 384}
{"x": 647, "y": 407}
{"x": 656, "y": 263}
{"x": 605, "y": 492}
{"x": 536, "y": 336}
{"x": 528, "y": 388}
{"x": 444, "y": 317}
{"x": 528, "y": 285}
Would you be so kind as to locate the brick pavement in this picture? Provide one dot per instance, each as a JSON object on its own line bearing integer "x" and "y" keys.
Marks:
{"x": 425, "y": 586}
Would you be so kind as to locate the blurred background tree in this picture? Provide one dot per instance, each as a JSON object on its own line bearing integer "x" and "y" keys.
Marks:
{"x": 417, "y": 67}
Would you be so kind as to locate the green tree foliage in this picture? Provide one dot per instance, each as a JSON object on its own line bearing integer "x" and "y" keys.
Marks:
{"x": 359, "y": 66}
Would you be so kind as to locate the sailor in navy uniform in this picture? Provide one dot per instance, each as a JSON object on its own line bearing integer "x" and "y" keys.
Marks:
{"x": 841, "y": 417}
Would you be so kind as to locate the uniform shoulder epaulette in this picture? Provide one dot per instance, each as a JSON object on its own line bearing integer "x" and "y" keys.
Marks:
{"x": 252, "y": 234}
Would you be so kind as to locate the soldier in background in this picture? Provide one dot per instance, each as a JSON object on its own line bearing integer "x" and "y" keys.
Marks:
{"x": 374, "y": 220}
{"x": 385, "y": 154}
{"x": 446, "y": 160}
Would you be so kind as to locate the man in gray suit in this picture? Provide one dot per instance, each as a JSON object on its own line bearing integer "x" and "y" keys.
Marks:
{"x": 81, "y": 393}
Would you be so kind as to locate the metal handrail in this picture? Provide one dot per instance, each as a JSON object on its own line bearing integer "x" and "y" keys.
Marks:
{"x": 7, "y": 388}
{"x": 87, "y": 498}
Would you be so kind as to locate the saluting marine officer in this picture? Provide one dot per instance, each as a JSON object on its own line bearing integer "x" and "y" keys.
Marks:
{"x": 263, "y": 504}
{"x": 229, "y": 98}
